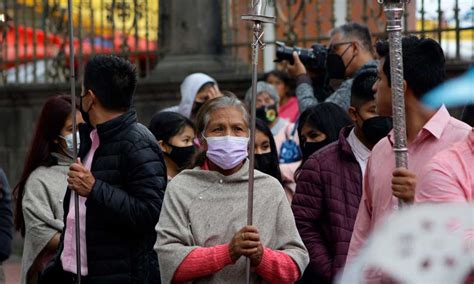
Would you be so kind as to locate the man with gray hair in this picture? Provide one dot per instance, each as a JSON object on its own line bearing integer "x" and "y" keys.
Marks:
{"x": 350, "y": 52}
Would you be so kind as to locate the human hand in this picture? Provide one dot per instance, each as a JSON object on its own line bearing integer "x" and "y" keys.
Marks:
{"x": 297, "y": 68}
{"x": 404, "y": 184}
{"x": 245, "y": 242}
{"x": 80, "y": 179}
{"x": 256, "y": 258}
{"x": 214, "y": 92}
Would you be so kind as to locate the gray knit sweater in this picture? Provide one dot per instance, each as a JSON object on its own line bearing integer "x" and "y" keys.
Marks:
{"x": 205, "y": 209}
{"x": 43, "y": 209}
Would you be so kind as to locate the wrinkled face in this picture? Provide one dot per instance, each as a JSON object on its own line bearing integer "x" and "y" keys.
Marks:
{"x": 262, "y": 143}
{"x": 279, "y": 85}
{"x": 228, "y": 121}
{"x": 310, "y": 134}
{"x": 264, "y": 99}
{"x": 383, "y": 92}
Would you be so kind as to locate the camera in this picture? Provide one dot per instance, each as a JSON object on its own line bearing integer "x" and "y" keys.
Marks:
{"x": 314, "y": 57}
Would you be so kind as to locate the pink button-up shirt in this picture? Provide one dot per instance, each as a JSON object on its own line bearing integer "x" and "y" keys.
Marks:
{"x": 439, "y": 133}
{"x": 449, "y": 177}
{"x": 68, "y": 256}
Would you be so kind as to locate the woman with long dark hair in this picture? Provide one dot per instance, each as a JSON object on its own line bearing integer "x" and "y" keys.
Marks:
{"x": 320, "y": 125}
{"x": 43, "y": 183}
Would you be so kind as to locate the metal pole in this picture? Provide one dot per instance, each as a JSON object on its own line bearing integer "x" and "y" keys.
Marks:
{"x": 257, "y": 15}
{"x": 394, "y": 12}
{"x": 257, "y": 31}
{"x": 74, "y": 139}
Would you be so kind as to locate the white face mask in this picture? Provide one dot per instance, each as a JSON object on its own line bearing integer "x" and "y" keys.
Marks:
{"x": 227, "y": 151}
{"x": 70, "y": 147}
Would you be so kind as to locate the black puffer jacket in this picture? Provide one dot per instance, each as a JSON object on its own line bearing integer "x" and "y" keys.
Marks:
{"x": 6, "y": 218}
{"x": 123, "y": 207}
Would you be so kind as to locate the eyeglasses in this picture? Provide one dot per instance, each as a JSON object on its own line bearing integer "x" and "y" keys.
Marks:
{"x": 332, "y": 47}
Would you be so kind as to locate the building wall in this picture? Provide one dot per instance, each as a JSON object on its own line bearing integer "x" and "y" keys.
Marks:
{"x": 20, "y": 107}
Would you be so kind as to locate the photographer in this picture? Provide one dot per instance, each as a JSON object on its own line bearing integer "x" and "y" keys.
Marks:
{"x": 349, "y": 53}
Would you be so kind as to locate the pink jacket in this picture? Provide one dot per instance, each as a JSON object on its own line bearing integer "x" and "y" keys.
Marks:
{"x": 288, "y": 170}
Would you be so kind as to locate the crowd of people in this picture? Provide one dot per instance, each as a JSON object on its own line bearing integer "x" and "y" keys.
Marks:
{"x": 168, "y": 202}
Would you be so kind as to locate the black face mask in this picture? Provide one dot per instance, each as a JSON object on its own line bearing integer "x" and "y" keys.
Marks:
{"x": 267, "y": 113}
{"x": 376, "y": 128}
{"x": 267, "y": 163}
{"x": 311, "y": 147}
{"x": 85, "y": 114}
{"x": 181, "y": 155}
{"x": 335, "y": 65}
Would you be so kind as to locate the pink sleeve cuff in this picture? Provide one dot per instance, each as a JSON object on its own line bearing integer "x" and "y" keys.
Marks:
{"x": 202, "y": 262}
{"x": 278, "y": 267}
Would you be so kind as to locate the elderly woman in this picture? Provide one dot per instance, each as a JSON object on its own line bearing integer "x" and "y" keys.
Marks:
{"x": 202, "y": 235}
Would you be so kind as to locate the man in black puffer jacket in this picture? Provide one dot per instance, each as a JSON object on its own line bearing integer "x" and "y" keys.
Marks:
{"x": 120, "y": 179}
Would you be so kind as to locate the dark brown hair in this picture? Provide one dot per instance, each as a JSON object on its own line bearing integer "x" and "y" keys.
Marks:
{"x": 51, "y": 120}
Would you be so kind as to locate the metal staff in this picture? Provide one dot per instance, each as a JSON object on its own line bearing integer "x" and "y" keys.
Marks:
{"x": 394, "y": 12}
{"x": 74, "y": 136}
{"x": 258, "y": 17}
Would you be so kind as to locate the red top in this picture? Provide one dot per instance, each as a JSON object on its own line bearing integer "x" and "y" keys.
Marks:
{"x": 290, "y": 110}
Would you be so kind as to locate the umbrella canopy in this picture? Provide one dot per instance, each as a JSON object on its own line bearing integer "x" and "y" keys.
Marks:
{"x": 454, "y": 93}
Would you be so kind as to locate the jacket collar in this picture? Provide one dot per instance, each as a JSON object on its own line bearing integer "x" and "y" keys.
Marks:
{"x": 112, "y": 127}
{"x": 62, "y": 159}
{"x": 105, "y": 130}
{"x": 343, "y": 144}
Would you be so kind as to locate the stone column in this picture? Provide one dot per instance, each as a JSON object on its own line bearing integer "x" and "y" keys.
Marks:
{"x": 191, "y": 39}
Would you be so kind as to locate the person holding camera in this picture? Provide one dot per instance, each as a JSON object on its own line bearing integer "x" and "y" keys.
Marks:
{"x": 349, "y": 54}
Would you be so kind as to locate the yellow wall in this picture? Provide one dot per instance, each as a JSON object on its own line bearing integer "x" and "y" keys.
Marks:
{"x": 83, "y": 9}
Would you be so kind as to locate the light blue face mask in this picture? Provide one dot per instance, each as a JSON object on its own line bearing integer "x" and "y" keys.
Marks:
{"x": 69, "y": 143}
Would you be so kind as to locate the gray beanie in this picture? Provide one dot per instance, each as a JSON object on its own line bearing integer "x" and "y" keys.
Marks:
{"x": 262, "y": 87}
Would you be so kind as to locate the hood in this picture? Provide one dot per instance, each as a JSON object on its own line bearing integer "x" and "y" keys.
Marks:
{"x": 189, "y": 90}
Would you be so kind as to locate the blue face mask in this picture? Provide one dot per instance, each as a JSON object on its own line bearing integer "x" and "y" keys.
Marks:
{"x": 69, "y": 143}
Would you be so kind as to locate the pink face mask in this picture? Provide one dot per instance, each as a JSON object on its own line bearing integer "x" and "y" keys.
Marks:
{"x": 227, "y": 151}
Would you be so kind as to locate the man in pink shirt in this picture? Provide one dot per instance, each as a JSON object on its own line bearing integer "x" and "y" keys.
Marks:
{"x": 449, "y": 177}
{"x": 428, "y": 132}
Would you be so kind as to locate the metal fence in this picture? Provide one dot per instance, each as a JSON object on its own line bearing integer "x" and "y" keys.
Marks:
{"x": 304, "y": 22}
{"x": 34, "y": 36}
{"x": 34, "y": 43}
